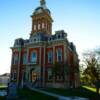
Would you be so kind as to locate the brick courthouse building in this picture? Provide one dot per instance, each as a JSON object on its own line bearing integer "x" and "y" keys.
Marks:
{"x": 34, "y": 59}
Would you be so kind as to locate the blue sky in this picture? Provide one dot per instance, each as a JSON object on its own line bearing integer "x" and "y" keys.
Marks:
{"x": 79, "y": 18}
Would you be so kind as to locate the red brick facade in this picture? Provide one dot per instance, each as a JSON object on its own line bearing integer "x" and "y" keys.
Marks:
{"x": 33, "y": 59}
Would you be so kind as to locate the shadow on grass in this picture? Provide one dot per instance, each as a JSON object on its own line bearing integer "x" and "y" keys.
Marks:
{"x": 3, "y": 88}
{"x": 32, "y": 95}
{"x": 81, "y": 92}
{"x": 2, "y": 98}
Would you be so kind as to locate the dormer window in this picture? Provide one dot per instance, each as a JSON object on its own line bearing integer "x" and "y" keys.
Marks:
{"x": 59, "y": 36}
{"x": 49, "y": 38}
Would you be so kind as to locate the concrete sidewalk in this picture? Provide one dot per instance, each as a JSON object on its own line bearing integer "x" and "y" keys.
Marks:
{"x": 59, "y": 96}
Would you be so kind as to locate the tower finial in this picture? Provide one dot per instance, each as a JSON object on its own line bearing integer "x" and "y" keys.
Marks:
{"x": 42, "y": 2}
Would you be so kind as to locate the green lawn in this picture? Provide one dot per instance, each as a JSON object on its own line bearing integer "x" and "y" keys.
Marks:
{"x": 81, "y": 92}
{"x": 90, "y": 88}
{"x": 2, "y": 98}
{"x": 2, "y": 87}
{"x": 32, "y": 95}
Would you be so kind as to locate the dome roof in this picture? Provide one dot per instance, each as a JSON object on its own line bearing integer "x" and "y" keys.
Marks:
{"x": 42, "y": 8}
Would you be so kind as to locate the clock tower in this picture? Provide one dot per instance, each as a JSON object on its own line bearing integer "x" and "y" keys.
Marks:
{"x": 41, "y": 20}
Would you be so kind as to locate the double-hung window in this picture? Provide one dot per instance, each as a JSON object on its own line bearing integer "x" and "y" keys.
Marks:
{"x": 15, "y": 60}
{"x": 49, "y": 74}
{"x": 39, "y": 25}
{"x": 34, "y": 57}
{"x": 25, "y": 58}
{"x": 59, "y": 54}
{"x": 50, "y": 57}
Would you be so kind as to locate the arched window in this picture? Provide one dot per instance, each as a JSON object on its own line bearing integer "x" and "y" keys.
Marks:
{"x": 50, "y": 57}
{"x": 59, "y": 55}
{"x": 34, "y": 57}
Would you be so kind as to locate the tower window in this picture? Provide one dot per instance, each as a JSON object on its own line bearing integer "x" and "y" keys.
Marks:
{"x": 39, "y": 26}
{"x": 42, "y": 25}
{"x": 35, "y": 27}
{"x": 34, "y": 57}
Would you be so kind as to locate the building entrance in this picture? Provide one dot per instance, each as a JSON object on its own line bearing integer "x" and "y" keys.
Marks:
{"x": 33, "y": 76}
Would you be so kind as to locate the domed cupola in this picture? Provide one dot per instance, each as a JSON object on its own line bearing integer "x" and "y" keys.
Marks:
{"x": 41, "y": 19}
{"x": 42, "y": 8}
